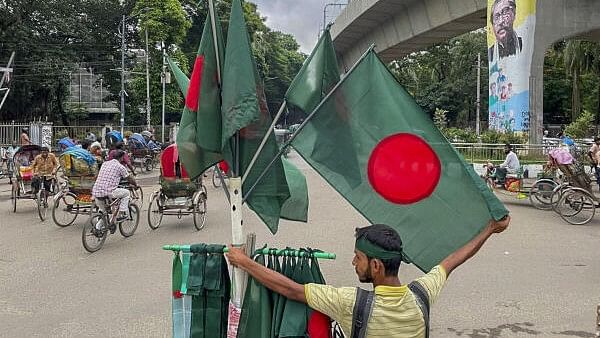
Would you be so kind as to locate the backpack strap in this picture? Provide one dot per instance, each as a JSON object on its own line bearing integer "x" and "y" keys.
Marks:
{"x": 423, "y": 301}
{"x": 363, "y": 306}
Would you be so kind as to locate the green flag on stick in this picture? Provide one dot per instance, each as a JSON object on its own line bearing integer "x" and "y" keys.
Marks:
{"x": 409, "y": 176}
{"x": 182, "y": 80}
{"x": 245, "y": 109}
{"x": 199, "y": 136}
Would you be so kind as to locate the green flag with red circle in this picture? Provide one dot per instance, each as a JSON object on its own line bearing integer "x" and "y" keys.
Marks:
{"x": 409, "y": 176}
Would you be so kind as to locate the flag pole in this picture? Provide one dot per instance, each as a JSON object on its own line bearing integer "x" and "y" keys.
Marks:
{"x": 235, "y": 184}
{"x": 308, "y": 118}
{"x": 264, "y": 140}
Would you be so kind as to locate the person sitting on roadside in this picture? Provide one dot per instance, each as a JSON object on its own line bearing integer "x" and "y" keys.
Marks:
{"x": 510, "y": 165}
{"x": 126, "y": 160}
{"x": 44, "y": 168}
{"x": 107, "y": 183}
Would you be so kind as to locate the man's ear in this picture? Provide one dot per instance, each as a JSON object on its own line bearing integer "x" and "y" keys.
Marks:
{"x": 377, "y": 266}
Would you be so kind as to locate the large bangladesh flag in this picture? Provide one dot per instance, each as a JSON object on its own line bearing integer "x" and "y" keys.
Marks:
{"x": 199, "y": 135}
{"x": 394, "y": 166}
{"x": 245, "y": 109}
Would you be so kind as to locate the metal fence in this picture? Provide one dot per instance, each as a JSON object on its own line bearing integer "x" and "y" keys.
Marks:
{"x": 11, "y": 132}
{"x": 484, "y": 152}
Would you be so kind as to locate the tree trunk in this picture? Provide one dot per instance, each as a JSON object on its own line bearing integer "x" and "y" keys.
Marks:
{"x": 575, "y": 102}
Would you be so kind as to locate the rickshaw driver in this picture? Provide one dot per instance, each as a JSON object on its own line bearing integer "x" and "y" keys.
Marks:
{"x": 44, "y": 168}
{"x": 510, "y": 165}
{"x": 107, "y": 183}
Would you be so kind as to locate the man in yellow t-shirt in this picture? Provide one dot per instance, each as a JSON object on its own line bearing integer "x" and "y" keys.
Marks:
{"x": 377, "y": 258}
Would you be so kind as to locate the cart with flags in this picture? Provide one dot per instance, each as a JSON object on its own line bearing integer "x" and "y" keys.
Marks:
{"x": 178, "y": 194}
{"x": 363, "y": 133}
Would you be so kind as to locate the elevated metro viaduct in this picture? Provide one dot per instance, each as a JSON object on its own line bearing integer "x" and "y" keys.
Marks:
{"x": 400, "y": 27}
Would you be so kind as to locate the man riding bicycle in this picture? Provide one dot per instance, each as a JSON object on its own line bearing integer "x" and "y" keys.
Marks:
{"x": 44, "y": 168}
{"x": 107, "y": 183}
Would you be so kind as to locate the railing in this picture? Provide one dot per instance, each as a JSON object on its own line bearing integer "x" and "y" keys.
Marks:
{"x": 484, "y": 152}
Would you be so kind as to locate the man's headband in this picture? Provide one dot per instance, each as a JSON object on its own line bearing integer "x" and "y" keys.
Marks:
{"x": 373, "y": 250}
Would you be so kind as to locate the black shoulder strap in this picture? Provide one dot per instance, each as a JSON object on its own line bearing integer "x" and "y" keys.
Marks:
{"x": 361, "y": 312}
{"x": 423, "y": 301}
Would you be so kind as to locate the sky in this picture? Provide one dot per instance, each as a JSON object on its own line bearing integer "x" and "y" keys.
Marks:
{"x": 302, "y": 19}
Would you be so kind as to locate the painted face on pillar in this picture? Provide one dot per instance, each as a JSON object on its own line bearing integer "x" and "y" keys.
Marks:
{"x": 503, "y": 18}
{"x": 362, "y": 267}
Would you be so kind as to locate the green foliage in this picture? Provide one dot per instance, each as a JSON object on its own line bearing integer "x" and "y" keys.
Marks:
{"x": 495, "y": 137}
{"x": 580, "y": 128}
{"x": 439, "y": 118}
{"x": 446, "y": 76}
{"x": 454, "y": 134}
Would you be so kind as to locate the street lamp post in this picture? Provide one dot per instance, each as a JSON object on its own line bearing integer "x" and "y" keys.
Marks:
{"x": 147, "y": 83}
{"x": 122, "y": 93}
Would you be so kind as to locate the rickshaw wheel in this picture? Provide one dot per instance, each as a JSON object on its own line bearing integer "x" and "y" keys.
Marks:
{"x": 148, "y": 164}
{"x": 155, "y": 211}
{"x": 14, "y": 197}
{"x": 576, "y": 206}
{"x": 65, "y": 209}
{"x": 556, "y": 195}
{"x": 541, "y": 193}
{"x": 199, "y": 211}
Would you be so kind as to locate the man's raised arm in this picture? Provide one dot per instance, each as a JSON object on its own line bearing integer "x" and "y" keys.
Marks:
{"x": 468, "y": 250}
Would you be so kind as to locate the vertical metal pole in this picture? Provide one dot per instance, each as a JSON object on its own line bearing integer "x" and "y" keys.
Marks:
{"x": 79, "y": 71}
{"x": 90, "y": 84}
{"x": 123, "y": 75}
{"x": 101, "y": 93}
{"x": 164, "y": 83}
{"x": 147, "y": 82}
{"x": 477, "y": 123}
{"x": 598, "y": 321}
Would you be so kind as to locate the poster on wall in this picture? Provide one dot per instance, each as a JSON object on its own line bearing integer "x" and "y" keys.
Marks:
{"x": 510, "y": 28}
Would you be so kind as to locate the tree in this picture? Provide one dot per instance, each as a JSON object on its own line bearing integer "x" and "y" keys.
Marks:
{"x": 50, "y": 37}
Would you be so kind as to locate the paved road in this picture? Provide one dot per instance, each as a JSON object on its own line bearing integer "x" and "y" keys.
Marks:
{"x": 541, "y": 278}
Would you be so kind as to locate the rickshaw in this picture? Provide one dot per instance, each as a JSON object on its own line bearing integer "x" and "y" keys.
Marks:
{"x": 574, "y": 200}
{"x": 539, "y": 193}
{"x": 178, "y": 195}
{"x": 80, "y": 169}
{"x": 21, "y": 186}
{"x": 141, "y": 155}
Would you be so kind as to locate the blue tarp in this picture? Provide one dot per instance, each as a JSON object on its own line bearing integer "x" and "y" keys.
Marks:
{"x": 82, "y": 154}
{"x": 66, "y": 142}
{"x": 115, "y": 134}
{"x": 135, "y": 137}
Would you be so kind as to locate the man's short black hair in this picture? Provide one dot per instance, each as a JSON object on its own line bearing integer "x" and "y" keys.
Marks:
{"x": 508, "y": 145}
{"x": 512, "y": 3}
{"x": 118, "y": 155}
{"x": 387, "y": 238}
{"x": 44, "y": 149}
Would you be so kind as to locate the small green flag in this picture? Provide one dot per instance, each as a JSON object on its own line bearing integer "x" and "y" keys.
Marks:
{"x": 182, "y": 80}
{"x": 409, "y": 176}
{"x": 245, "y": 109}
{"x": 199, "y": 136}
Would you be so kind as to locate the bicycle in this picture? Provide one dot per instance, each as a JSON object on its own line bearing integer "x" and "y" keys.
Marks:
{"x": 103, "y": 220}
{"x": 43, "y": 194}
{"x": 216, "y": 178}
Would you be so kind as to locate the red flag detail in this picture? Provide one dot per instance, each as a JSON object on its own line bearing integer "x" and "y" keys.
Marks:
{"x": 404, "y": 169}
{"x": 319, "y": 325}
{"x": 193, "y": 94}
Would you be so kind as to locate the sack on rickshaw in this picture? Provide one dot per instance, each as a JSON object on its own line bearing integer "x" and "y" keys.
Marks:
{"x": 174, "y": 180}
{"x": 512, "y": 184}
{"x": 78, "y": 162}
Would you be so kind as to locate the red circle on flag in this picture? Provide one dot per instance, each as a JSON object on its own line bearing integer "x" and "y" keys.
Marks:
{"x": 404, "y": 169}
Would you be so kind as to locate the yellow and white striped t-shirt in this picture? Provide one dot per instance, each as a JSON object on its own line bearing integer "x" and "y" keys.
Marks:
{"x": 395, "y": 310}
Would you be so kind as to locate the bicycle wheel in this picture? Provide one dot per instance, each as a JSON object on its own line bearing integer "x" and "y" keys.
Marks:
{"x": 199, "y": 211}
{"x": 540, "y": 194}
{"x": 92, "y": 238}
{"x": 14, "y": 195}
{"x": 576, "y": 206}
{"x": 148, "y": 165}
{"x": 128, "y": 226}
{"x": 155, "y": 211}
{"x": 42, "y": 204}
{"x": 65, "y": 209}
{"x": 216, "y": 180}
